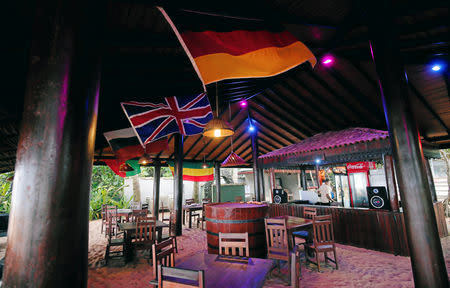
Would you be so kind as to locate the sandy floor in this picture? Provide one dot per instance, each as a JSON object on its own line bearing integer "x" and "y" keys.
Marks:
{"x": 357, "y": 267}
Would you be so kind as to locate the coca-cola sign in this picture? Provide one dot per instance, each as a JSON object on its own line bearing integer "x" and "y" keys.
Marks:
{"x": 360, "y": 166}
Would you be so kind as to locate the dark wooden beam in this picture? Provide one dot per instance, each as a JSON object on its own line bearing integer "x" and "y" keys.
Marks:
{"x": 427, "y": 259}
{"x": 178, "y": 182}
{"x": 217, "y": 179}
{"x": 168, "y": 141}
{"x": 428, "y": 106}
{"x": 274, "y": 118}
{"x": 349, "y": 104}
{"x": 291, "y": 108}
{"x": 287, "y": 139}
{"x": 156, "y": 189}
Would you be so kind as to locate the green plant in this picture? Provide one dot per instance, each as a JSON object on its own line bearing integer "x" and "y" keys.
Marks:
{"x": 5, "y": 191}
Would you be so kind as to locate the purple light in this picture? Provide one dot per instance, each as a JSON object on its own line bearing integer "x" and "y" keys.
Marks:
{"x": 327, "y": 60}
{"x": 243, "y": 103}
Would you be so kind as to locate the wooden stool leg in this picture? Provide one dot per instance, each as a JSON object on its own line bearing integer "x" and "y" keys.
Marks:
{"x": 317, "y": 260}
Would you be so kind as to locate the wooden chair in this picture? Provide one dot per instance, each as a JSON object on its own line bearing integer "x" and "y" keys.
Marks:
{"x": 111, "y": 226}
{"x": 163, "y": 212}
{"x": 177, "y": 275}
{"x": 233, "y": 242}
{"x": 162, "y": 254}
{"x": 190, "y": 201}
{"x": 202, "y": 219}
{"x": 135, "y": 205}
{"x": 323, "y": 240}
{"x": 135, "y": 214}
{"x": 172, "y": 233}
{"x": 206, "y": 200}
{"x": 308, "y": 213}
{"x": 114, "y": 240}
{"x": 104, "y": 218}
{"x": 145, "y": 235}
{"x": 276, "y": 239}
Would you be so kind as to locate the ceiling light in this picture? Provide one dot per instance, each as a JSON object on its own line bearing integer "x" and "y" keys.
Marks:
{"x": 145, "y": 160}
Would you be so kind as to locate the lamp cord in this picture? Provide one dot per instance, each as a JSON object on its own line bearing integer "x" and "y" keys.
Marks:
{"x": 217, "y": 100}
{"x": 229, "y": 114}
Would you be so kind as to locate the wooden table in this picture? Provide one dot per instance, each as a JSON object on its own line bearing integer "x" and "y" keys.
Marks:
{"x": 189, "y": 209}
{"x": 130, "y": 228}
{"x": 295, "y": 224}
{"x": 226, "y": 274}
{"x": 124, "y": 213}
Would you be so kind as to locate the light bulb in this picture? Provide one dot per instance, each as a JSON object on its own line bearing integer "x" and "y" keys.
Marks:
{"x": 217, "y": 133}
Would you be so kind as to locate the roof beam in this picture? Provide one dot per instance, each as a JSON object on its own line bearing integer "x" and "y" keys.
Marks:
{"x": 281, "y": 125}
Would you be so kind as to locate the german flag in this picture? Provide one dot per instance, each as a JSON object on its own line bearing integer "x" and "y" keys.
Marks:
{"x": 193, "y": 171}
{"x": 228, "y": 48}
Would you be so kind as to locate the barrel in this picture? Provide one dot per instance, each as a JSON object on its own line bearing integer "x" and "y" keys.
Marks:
{"x": 237, "y": 218}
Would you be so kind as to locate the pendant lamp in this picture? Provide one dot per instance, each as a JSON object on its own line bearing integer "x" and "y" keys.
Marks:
{"x": 145, "y": 159}
{"x": 233, "y": 159}
{"x": 204, "y": 165}
{"x": 125, "y": 167}
{"x": 217, "y": 127}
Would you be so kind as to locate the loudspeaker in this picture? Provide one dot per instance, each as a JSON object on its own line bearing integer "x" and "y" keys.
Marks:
{"x": 378, "y": 198}
{"x": 279, "y": 196}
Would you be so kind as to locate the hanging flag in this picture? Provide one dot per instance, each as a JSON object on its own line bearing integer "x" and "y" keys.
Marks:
{"x": 126, "y": 145}
{"x": 222, "y": 47}
{"x": 114, "y": 165}
{"x": 193, "y": 171}
{"x": 184, "y": 115}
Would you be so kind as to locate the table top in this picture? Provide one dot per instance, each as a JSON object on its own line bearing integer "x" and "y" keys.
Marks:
{"x": 295, "y": 222}
{"x": 124, "y": 211}
{"x": 195, "y": 206}
{"x": 132, "y": 225}
{"x": 227, "y": 274}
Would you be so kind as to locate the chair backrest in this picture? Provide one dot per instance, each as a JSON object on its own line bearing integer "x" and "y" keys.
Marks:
{"x": 309, "y": 212}
{"x": 163, "y": 253}
{"x": 323, "y": 230}
{"x": 190, "y": 201}
{"x": 233, "y": 242}
{"x": 135, "y": 214}
{"x": 206, "y": 200}
{"x": 144, "y": 206}
{"x": 180, "y": 278}
{"x": 111, "y": 225}
{"x": 276, "y": 239}
{"x": 238, "y": 198}
{"x": 145, "y": 230}
{"x": 135, "y": 205}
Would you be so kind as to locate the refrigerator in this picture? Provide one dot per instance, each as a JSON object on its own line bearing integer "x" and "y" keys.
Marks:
{"x": 342, "y": 190}
{"x": 358, "y": 179}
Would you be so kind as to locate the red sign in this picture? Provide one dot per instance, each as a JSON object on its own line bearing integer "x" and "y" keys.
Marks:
{"x": 356, "y": 167}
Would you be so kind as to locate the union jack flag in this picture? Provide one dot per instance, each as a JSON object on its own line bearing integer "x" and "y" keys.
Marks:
{"x": 152, "y": 121}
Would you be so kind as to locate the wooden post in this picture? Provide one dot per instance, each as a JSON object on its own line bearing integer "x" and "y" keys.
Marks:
{"x": 49, "y": 220}
{"x": 316, "y": 167}
{"x": 425, "y": 248}
{"x": 272, "y": 182}
{"x": 178, "y": 182}
{"x": 304, "y": 182}
{"x": 156, "y": 188}
{"x": 261, "y": 185}
{"x": 256, "y": 176}
{"x": 430, "y": 179}
{"x": 390, "y": 181}
{"x": 217, "y": 178}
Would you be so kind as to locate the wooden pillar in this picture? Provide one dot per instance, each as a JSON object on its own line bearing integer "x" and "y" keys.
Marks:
{"x": 304, "y": 182}
{"x": 49, "y": 220}
{"x": 217, "y": 177}
{"x": 261, "y": 185}
{"x": 156, "y": 188}
{"x": 430, "y": 179}
{"x": 256, "y": 182}
{"x": 390, "y": 181}
{"x": 316, "y": 167}
{"x": 427, "y": 259}
{"x": 178, "y": 182}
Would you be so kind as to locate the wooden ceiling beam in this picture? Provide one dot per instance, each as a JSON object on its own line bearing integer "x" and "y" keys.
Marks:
{"x": 278, "y": 122}
{"x": 341, "y": 118}
{"x": 319, "y": 114}
{"x": 352, "y": 90}
{"x": 428, "y": 106}
{"x": 298, "y": 133}
{"x": 260, "y": 125}
{"x": 344, "y": 101}
{"x": 292, "y": 109}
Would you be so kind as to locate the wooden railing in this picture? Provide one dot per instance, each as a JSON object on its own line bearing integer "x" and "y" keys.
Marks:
{"x": 371, "y": 229}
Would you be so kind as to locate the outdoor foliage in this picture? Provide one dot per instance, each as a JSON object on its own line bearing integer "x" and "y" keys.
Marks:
{"x": 5, "y": 192}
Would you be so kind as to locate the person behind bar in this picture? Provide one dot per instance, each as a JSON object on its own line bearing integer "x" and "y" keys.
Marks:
{"x": 324, "y": 193}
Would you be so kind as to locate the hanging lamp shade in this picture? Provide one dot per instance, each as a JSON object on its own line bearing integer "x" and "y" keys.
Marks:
{"x": 217, "y": 128}
{"x": 145, "y": 160}
{"x": 125, "y": 167}
{"x": 233, "y": 160}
